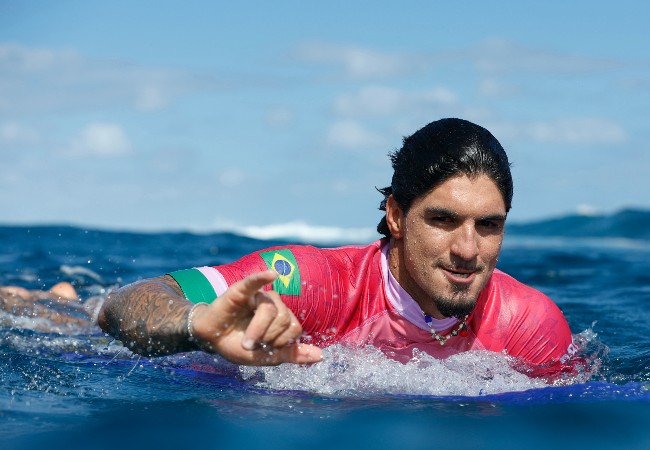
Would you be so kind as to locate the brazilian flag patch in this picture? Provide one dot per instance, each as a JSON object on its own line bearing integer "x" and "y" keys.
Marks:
{"x": 284, "y": 264}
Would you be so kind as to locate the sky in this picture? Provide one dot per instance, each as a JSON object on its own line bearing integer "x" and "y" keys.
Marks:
{"x": 263, "y": 116}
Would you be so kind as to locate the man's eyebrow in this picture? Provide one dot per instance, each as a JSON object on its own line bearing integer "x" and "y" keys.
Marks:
{"x": 494, "y": 217}
{"x": 434, "y": 211}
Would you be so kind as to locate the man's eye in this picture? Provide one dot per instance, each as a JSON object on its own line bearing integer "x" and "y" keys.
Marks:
{"x": 491, "y": 224}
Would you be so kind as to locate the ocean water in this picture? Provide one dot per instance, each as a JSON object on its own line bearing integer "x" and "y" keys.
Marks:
{"x": 74, "y": 387}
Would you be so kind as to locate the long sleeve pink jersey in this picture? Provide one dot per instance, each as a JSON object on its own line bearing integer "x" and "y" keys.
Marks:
{"x": 347, "y": 295}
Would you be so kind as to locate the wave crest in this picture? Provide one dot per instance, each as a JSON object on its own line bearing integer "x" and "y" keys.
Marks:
{"x": 300, "y": 231}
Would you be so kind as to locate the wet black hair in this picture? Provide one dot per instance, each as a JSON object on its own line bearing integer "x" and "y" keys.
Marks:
{"x": 442, "y": 150}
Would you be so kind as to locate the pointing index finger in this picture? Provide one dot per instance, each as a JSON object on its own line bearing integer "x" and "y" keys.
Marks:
{"x": 248, "y": 287}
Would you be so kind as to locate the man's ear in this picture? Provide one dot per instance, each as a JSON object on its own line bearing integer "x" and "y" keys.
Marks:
{"x": 394, "y": 218}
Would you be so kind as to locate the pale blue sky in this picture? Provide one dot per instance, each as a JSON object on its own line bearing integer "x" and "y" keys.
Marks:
{"x": 203, "y": 115}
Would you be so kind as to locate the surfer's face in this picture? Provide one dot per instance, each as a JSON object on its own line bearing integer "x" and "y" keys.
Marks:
{"x": 446, "y": 247}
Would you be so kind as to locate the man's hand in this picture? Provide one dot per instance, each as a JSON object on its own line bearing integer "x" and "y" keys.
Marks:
{"x": 249, "y": 326}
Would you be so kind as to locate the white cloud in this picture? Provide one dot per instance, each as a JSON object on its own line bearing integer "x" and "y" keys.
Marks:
{"x": 19, "y": 59}
{"x": 351, "y": 135}
{"x": 230, "y": 178}
{"x": 45, "y": 80}
{"x": 494, "y": 56}
{"x": 100, "y": 139}
{"x": 386, "y": 101}
{"x": 496, "y": 89}
{"x": 150, "y": 98}
{"x": 502, "y": 55}
{"x": 357, "y": 62}
{"x": 580, "y": 131}
{"x": 279, "y": 117}
{"x": 13, "y": 133}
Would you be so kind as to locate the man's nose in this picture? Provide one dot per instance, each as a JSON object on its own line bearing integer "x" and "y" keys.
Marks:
{"x": 465, "y": 242}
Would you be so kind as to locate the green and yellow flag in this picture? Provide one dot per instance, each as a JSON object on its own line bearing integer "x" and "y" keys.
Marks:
{"x": 284, "y": 264}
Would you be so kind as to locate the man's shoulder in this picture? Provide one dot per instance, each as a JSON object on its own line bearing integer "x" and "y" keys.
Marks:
{"x": 510, "y": 296}
{"x": 512, "y": 289}
{"x": 308, "y": 254}
{"x": 522, "y": 320}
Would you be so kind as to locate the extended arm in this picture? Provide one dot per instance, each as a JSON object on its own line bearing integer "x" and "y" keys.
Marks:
{"x": 245, "y": 325}
{"x": 149, "y": 317}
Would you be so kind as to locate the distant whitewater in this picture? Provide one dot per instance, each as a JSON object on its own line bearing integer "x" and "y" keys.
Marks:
{"x": 303, "y": 232}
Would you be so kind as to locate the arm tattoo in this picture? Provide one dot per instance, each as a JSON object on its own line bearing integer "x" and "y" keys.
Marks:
{"x": 149, "y": 317}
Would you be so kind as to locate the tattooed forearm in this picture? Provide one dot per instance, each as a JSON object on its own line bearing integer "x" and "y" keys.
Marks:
{"x": 149, "y": 317}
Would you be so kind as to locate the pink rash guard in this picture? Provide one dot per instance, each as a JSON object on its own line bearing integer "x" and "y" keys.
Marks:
{"x": 347, "y": 295}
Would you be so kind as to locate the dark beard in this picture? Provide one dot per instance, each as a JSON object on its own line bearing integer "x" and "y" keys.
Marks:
{"x": 454, "y": 307}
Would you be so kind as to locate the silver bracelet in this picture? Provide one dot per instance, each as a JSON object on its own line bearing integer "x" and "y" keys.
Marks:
{"x": 189, "y": 321}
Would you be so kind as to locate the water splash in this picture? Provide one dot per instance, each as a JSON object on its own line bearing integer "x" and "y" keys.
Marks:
{"x": 368, "y": 372}
{"x": 80, "y": 272}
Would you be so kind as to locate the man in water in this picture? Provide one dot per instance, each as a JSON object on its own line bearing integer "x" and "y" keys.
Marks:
{"x": 60, "y": 306}
{"x": 429, "y": 285}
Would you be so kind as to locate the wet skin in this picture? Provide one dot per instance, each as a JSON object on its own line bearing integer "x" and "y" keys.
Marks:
{"x": 56, "y": 305}
{"x": 445, "y": 248}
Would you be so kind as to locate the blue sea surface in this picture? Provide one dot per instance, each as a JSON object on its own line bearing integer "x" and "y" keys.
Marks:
{"x": 69, "y": 388}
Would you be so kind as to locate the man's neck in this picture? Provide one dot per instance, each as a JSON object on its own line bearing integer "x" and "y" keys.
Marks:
{"x": 400, "y": 273}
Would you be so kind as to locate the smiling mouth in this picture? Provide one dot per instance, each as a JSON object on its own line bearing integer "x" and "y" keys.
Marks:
{"x": 464, "y": 275}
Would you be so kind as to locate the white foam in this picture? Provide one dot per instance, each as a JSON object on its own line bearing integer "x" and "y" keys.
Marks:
{"x": 300, "y": 231}
{"x": 364, "y": 372}
{"x": 42, "y": 324}
{"x": 80, "y": 271}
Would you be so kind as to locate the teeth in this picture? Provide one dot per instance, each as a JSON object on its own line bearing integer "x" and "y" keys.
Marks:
{"x": 463, "y": 275}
